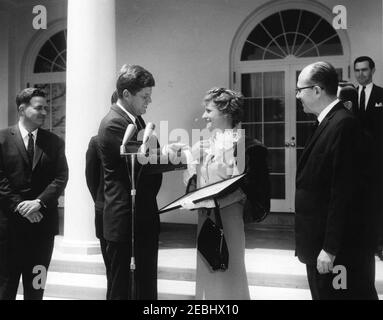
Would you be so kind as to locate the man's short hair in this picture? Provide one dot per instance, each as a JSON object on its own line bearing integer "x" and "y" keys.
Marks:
{"x": 133, "y": 78}
{"x": 365, "y": 58}
{"x": 324, "y": 75}
{"x": 114, "y": 97}
{"x": 25, "y": 96}
{"x": 349, "y": 93}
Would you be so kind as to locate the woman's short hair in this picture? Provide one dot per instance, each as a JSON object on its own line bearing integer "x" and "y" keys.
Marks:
{"x": 133, "y": 78}
{"x": 227, "y": 101}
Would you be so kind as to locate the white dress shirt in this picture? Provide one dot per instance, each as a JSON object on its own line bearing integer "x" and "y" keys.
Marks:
{"x": 24, "y": 135}
{"x": 367, "y": 93}
{"x": 132, "y": 117}
{"x": 326, "y": 110}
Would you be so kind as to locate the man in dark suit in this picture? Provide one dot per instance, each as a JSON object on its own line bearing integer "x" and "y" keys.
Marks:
{"x": 33, "y": 174}
{"x": 370, "y": 112}
{"x": 331, "y": 223}
{"x": 94, "y": 175}
{"x": 134, "y": 87}
{"x": 95, "y": 181}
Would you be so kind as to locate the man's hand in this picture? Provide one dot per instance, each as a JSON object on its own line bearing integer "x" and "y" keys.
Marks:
{"x": 34, "y": 217}
{"x": 325, "y": 262}
{"x": 28, "y": 206}
{"x": 177, "y": 152}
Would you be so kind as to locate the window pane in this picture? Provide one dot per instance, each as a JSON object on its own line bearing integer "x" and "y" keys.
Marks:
{"x": 259, "y": 36}
{"x": 252, "y": 84}
{"x": 323, "y": 31}
{"x": 274, "y": 84}
{"x": 253, "y": 110}
{"x": 274, "y": 109}
{"x": 308, "y": 22}
{"x": 253, "y": 131}
{"x": 290, "y": 20}
{"x": 331, "y": 47}
{"x": 251, "y": 52}
{"x": 309, "y": 51}
{"x": 273, "y": 24}
{"x": 274, "y": 135}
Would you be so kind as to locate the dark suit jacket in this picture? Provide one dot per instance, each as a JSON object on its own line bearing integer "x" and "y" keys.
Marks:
{"x": 117, "y": 207}
{"x": 18, "y": 182}
{"x": 95, "y": 181}
{"x": 372, "y": 121}
{"x": 329, "y": 200}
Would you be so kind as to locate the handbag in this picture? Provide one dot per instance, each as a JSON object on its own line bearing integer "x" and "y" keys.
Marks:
{"x": 211, "y": 242}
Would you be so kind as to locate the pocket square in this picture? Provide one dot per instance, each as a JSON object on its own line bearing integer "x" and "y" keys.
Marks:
{"x": 378, "y": 105}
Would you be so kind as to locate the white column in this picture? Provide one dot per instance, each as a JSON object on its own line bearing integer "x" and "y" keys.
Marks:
{"x": 4, "y": 69}
{"x": 91, "y": 73}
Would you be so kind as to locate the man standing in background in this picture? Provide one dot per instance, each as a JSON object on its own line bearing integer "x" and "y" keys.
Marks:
{"x": 332, "y": 226}
{"x": 370, "y": 113}
{"x": 33, "y": 174}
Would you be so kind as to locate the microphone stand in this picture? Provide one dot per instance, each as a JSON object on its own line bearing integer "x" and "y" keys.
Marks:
{"x": 130, "y": 152}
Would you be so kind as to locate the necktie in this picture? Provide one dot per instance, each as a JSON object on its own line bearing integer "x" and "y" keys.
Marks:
{"x": 30, "y": 147}
{"x": 362, "y": 101}
{"x": 139, "y": 124}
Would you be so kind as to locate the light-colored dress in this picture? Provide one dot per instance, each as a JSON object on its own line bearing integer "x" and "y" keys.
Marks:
{"x": 218, "y": 164}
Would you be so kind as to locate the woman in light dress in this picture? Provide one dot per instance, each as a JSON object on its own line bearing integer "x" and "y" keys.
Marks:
{"x": 217, "y": 158}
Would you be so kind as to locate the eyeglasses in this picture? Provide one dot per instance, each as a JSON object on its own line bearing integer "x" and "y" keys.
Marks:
{"x": 298, "y": 90}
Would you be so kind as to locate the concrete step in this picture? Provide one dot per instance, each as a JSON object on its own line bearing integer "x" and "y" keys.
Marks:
{"x": 77, "y": 286}
{"x": 265, "y": 267}
{"x": 272, "y": 275}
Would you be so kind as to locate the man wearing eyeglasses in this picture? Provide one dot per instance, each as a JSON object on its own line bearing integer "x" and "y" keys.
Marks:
{"x": 370, "y": 112}
{"x": 331, "y": 225}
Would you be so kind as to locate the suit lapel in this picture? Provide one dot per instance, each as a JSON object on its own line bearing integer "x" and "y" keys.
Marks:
{"x": 15, "y": 132}
{"x": 123, "y": 114}
{"x": 316, "y": 135}
{"x": 38, "y": 148}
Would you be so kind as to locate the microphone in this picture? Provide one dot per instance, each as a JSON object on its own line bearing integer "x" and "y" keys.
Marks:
{"x": 129, "y": 132}
{"x": 147, "y": 134}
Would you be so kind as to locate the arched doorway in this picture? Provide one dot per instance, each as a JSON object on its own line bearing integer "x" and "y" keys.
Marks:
{"x": 47, "y": 70}
{"x": 269, "y": 51}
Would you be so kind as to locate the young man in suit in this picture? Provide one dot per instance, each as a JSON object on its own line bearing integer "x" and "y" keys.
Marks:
{"x": 370, "y": 112}
{"x": 134, "y": 87}
{"x": 33, "y": 174}
{"x": 331, "y": 223}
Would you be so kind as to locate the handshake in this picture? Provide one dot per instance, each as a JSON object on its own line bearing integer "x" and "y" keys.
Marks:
{"x": 30, "y": 209}
{"x": 181, "y": 152}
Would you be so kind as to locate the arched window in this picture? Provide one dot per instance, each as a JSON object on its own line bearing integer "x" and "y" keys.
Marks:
{"x": 298, "y": 33}
{"x": 52, "y": 55}
{"x": 49, "y": 69}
